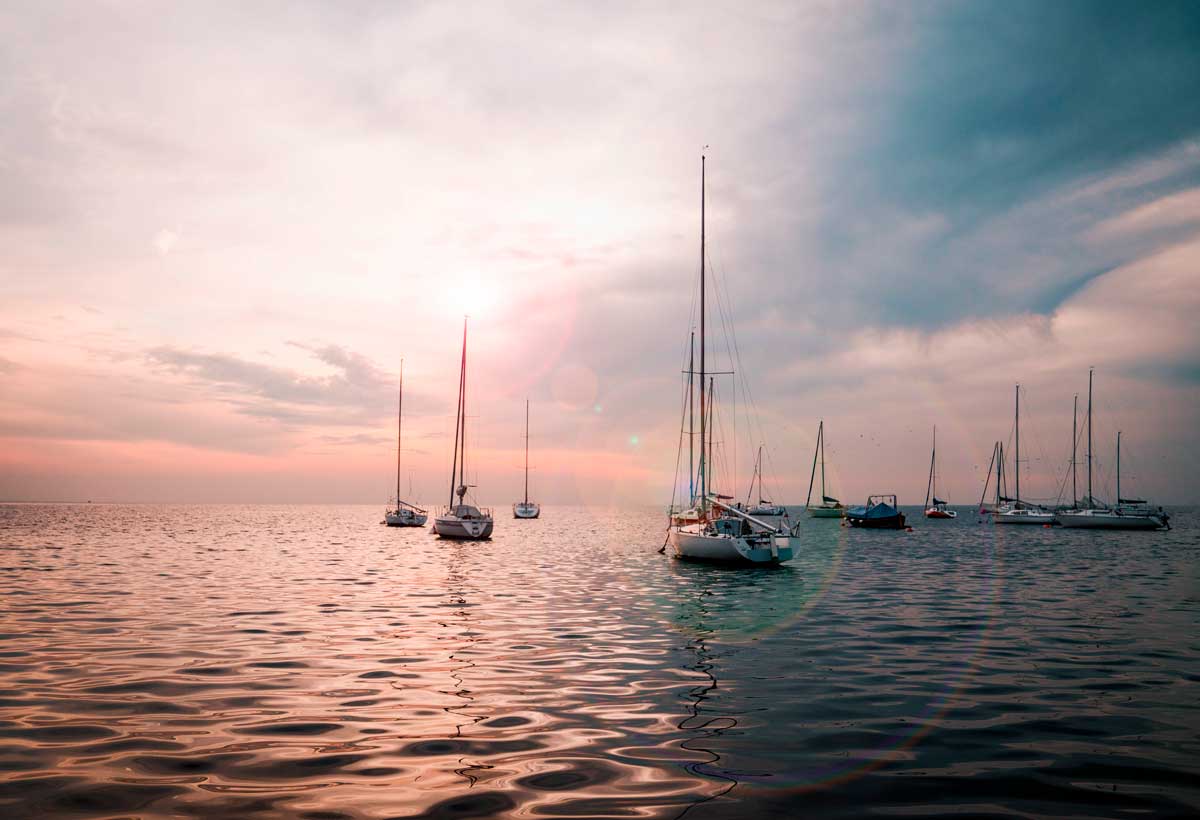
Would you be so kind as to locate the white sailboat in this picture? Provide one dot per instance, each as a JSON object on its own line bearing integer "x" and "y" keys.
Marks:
{"x": 713, "y": 530}
{"x": 526, "y": 508}
{"x": 462, "y": 520}
{"x": 402, "y": 513}
{"x": 1128, "y": 514}
{"x": 939, "y": 508}
{"x": 763, "y": 508}
{"x": 1018, "y": 511}
{"x": 829, "y": 507}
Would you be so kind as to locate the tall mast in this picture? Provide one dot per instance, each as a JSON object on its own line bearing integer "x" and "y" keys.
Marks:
{"x": 822, "y": 437}
{"x": 930, "y": 487}
{"x": 711, "y": 389}
{"x": 1017, "y": 457}
{"x": 758, "y": 469}
{"x": 1074, "y": 438}
{"x": 1091, "y": 503}
{"x": 460, "y": 422}
{"x": 999, "y": 471}
{"x": 463, "y": 452}
{"x": 813, "y": 474}
{"x": 703, "y": 415}
{"x": 1118, "y": 468}
{"x": 691, "y": 422}
{"x": 526, "y": 451}
{"x": 399, "y": 431}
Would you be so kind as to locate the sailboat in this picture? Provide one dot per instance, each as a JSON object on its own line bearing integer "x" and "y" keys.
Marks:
{"x": 462, "y": 520}
{"x": 526, "y": 508}
{"x": 402, "y": 513}
{"x": 763, "y": 507}
{"x": 1128, "y": 514}
{"x": 1001, "y": 485}
{"x": 1017, "y": 511}
{"x": 713, "y": 530}
{"x": 829, "y": 507}
{"x": 938, "y": 510}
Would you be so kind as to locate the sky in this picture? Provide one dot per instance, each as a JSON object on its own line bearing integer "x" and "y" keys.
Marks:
{"x": 224, "y": 225}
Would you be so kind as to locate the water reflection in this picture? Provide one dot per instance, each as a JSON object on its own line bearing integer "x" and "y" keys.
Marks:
{"x": 204, "y": 661}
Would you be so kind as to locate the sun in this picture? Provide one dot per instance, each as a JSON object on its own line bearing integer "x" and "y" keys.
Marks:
{"x": 472, "y": 294}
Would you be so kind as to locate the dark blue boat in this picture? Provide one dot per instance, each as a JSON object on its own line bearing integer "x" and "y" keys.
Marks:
{"x": 880, "y": 513}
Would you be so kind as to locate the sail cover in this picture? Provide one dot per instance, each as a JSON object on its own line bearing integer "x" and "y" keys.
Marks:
{"x": 830, "y": 500}
{"x": 937, "y": 500}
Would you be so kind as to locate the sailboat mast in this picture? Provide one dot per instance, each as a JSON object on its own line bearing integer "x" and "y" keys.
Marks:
{"x": 711, "y": 427}
{"x": 1074, "y": 439}
{"x": 812, "y": 475}
{"x": 822, "y": 461}
{"x": 458, "y": 417}
{"x": 526, "y": 451}
{"x": 399, "y": 431}
{"x": 463, "y": 452}
{"x": 929, "y": 485}
{"x": 1091, "y": 503}
{"x": 1017, "y": 457}
{"x": 703, "y": 415}
{"x": 999, "y": 471}
{"x": 1118, "y": 468}
{"x": 691, "y": 422}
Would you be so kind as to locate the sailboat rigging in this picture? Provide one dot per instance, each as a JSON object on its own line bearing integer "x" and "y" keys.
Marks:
{"x": 1017, "y": 511}
{"x": 461, "y": 520}
{"x": 711, "y": 529}
{"x": 402, "y": 513}
{"x": 1127, "y": 514}
{"x": 939, "y": 509}
{"x": 526, "y": 508}
{"x": 829, "y": 507}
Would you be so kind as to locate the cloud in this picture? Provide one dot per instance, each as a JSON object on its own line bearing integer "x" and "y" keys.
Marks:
{"x": 356, "y": 393}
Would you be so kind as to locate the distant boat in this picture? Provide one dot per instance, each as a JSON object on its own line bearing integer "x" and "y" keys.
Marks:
{"x": 526, "y": 508}
{"x": 712, "y": 530}
{"x": 879, "y": 513}
{"x": 938, "y": 509}
{"x": 461, "y": 520}
{"x": 1017, "y": 511}
{"x": 401, "y": 513}
{"x": 1128, "y": 514}
{"x": 829, "y": 507}
{"x": 763, "y": 507}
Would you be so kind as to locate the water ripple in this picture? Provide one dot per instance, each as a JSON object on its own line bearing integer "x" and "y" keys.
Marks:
{"x": 305, "y": 662}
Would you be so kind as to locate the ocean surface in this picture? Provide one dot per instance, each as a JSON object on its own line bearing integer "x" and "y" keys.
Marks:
{"x": 305, "y": 661}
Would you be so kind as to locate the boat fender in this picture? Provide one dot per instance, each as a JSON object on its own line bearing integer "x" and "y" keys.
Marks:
{"x": 908, "y": 529}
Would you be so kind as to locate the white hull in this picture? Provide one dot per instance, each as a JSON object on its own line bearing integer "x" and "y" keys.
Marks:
{"x": 767, "y": 511}
{"x": 1110, "y": 520}
{"x": 827, "y": 512}
{"x": 526, "y": 510}
{"x": 1023, "y": 517}
{"x": 405, "y": 518}
{"x": 692, "y": 544}
{"x": 471, "y": 529}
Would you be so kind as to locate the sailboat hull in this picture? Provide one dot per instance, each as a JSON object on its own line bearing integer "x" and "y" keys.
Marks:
{"x": 462, "y": 529}
{"x": 527, "y": 510}
{"x": 405, "y": 518}
{"x": 697, "y": 546}
{"x": 1109, "y": 520}
{"x": 1023, "y": 517}
{"x": 827, "y": 512}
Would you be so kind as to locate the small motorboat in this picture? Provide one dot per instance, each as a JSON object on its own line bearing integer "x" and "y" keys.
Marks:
{"x": 879, "y": 513}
